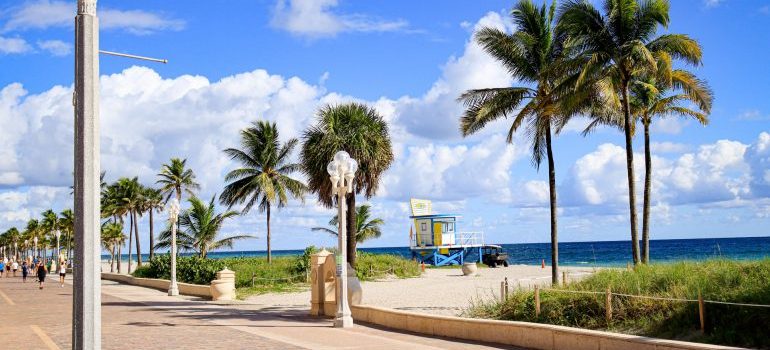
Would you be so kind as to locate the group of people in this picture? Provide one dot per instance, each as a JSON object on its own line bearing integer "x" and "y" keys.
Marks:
{"x": 36, "y": 266}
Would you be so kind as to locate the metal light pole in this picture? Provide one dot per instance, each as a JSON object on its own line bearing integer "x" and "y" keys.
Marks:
{"x": 34, "y": 251}
{"x": 173, "y": 215}
{"x": 341, "y": 172}
{"x": 16, "y": 250}
{"x": 58, "y": 247}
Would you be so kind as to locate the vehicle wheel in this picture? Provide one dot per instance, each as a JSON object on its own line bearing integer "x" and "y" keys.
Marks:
{"x": 505, "y": 263}
{"x": 493, "y": 264}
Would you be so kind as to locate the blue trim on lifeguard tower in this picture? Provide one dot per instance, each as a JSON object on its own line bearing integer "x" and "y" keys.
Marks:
{"x": 437, "y": 240}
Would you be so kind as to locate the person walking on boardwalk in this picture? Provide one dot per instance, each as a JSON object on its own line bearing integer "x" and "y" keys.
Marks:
{"x": 62, "y": 274}
{"x": 41, "y": 272}
{"x": 24, "y": 271}
{"x": 2, "y": 268}
{"x": 14, "y": 267}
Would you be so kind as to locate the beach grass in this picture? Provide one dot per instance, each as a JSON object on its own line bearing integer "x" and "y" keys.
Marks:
{"x": 717, "y": 280}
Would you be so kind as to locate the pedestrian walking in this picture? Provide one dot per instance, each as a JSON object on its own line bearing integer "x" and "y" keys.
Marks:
{"x": 14, "y": 267}
{"x": 24, "y": 271}
{"x": 41, "y": 272}
{"x": 2, "y": 268}
{"x": 62, "y": 274}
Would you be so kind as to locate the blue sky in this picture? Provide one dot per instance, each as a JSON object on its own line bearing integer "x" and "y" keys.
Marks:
{"x": 232, "y": 62}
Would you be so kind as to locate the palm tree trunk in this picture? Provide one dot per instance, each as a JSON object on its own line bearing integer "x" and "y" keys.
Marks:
{"x": 112, "y": 259}
{"x": 136, "y": 234}
{"x": 130, "y": 240}
{"x": 351, "y": 228}
{"x": 120, "y": 256}
{"x": 152, "y": 237}
{"x": 630, "y": 172}
{"x": 554, "y": 227}
{"x": 269, "y": 254}
{"x": 647, "y": 190}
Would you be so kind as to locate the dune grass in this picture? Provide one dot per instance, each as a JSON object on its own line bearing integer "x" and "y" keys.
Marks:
{"x": 718, "y": 280}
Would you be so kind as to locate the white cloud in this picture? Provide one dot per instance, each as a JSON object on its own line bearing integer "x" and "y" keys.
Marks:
{"x": 55, "y": 47}
{"x": 713, "y": 3}
{"x": 316, "y": 19}
{"x": 45, "y": 13}
{"x": 13, "y": 45}
{"x": 669, "y": 147}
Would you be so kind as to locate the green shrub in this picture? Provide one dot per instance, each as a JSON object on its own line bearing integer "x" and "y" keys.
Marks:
{"x": 189, "y": 269}
{"x": 718, "y": 280}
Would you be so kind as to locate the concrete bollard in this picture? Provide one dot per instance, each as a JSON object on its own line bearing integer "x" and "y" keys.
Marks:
{"x": 223, "y": 288}
{"x": 317, "y": 279}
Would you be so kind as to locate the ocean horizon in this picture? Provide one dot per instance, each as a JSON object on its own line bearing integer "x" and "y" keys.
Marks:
{"x": 599, "y": 253}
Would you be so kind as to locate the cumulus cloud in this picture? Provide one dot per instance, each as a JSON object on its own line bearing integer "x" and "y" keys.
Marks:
{"x": 316, "y": 19}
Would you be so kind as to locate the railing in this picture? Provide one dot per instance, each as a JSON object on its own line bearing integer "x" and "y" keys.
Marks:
{"x": 460, "y": 239}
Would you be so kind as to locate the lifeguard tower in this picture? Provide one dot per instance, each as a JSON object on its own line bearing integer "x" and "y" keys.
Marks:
{"x": 434, "y": 238}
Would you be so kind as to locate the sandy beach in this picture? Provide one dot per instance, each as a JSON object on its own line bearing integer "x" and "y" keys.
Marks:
{"x": 437, "y": 291}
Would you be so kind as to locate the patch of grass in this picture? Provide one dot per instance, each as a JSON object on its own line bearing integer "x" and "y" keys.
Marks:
{"x": 282, "y": 275}
{"x": 377, "y": 266}
{"x": 718, "y": 280}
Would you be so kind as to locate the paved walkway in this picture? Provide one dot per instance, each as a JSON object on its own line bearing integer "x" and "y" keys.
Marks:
{"x": 141, "y": 318}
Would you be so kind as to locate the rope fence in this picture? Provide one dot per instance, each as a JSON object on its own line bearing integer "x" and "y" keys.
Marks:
{"x": 609, "y": 294}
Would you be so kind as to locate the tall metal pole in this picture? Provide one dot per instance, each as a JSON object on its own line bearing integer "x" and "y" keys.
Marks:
{"x": 173, "y": 215}
{"x": 86, "y": 305}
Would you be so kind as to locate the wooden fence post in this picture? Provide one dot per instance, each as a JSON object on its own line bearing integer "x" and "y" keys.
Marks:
{"x": 564, "y": 278}
{"x": 252, "y": 280}
{"x": 502, "y": 291}
{"x": 537, "y": 301}
{"x": 506, "y": 288}
{"x": 701, "y": 311}
{"x": 608, "y": 306}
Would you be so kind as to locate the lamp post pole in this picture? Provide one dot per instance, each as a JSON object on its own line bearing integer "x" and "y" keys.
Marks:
{"x": 86, "y": 296}
{"x": 341, "y": 171}
{"x": 173, "y": 216}
{"x": 35, "y": 251}
{"x": 58, "y": 247}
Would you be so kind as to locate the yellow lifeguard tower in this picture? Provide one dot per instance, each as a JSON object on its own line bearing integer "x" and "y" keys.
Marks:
{"x": 435, "y": 239}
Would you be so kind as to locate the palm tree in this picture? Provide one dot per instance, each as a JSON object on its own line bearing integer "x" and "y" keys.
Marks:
{"x": 68, "y": 228}
{"x": 153, "y": 201}
{"x": 534, "y": 55}
{"x": 363, "y": 133}
{"x": 654, "y": 97}
{"x": 32, "y": 231}
{"x": 112, "y": 237}
{"x": 50, "y": 224}
{"x": 176, "y": 179}
{"x": 10, "y": 237}
{"x": 366, "y": 228}
{"x": 200, "y": 229}
{"x": 265, "y": 174}
{"x": 617, "y": 47}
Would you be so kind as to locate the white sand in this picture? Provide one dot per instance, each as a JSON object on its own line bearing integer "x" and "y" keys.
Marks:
{"x": 437, "y": 291}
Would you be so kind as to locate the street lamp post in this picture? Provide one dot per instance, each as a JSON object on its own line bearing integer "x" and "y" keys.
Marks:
{"x": 173, "y": 215}
{"x": 58, "y": 247}
{"x": 341, "y": 171}
{"x": 16, "y": 250}
{"x": 35, "y": 253}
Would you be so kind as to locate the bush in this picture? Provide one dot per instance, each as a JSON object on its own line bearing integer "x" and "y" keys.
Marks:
{"x": 718, "y": 280}
{"x": 189, "y": 269}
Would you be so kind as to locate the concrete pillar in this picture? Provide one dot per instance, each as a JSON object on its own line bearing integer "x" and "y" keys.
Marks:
{"x": 223, "y": 288}
{"x": 317, "y": 279}
{"x": 86, "y": 303}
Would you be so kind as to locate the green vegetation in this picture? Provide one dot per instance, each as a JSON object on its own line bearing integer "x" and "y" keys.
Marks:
{"x": 377, "y": 266}
{"x": 717, "y": 280}
{"x": 366, "y": 227}
{"x": 284, "y": 274}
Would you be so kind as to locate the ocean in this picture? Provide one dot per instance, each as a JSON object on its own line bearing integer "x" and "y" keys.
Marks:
{"x": 606, "y": 253}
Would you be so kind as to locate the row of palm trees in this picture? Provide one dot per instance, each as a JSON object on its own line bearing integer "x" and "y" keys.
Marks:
{"x": 20, "y": 244}
{"x": 607, "y": 64}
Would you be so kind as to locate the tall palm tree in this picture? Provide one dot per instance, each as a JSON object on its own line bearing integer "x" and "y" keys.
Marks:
{"x": 112, "y": 236}
{"x": 175, "y": 179}
{"x": 50, "y": 223}
{"x": 366, "y": 227}
{"x": 667, "y": 94}
{"x": 68, "y": 229}
{"x": 11, "y": 236}
{"x": 265, "y": 174}
{"x": 362, "y": 132}
{"x": 153, "y": 201}
{"x": 32, "y": 231}
{"x": 535, "y": 56}
{"x": 200, "y": 229}
{"x": 619, "y": 45}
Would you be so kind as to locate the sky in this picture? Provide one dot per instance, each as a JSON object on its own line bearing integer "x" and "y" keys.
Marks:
{"x": 232, "y": 62}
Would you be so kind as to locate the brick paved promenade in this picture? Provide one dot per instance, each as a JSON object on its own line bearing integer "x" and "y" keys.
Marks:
{"x": 141, "y": 318}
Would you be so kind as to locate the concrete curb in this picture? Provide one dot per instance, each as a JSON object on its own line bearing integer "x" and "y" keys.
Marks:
{"x": 521, "y": 334}
{"x": 197, "y": 290}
